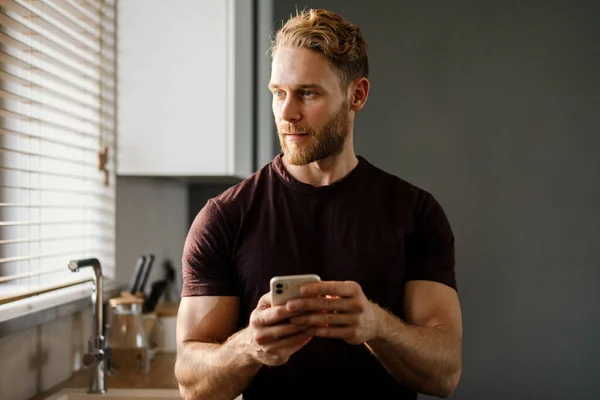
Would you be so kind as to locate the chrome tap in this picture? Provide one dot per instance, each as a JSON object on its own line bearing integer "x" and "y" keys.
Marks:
{"x": 98, "y": 351}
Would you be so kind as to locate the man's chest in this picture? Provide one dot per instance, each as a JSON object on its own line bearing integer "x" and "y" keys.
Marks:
{"x": 368, "y": 248}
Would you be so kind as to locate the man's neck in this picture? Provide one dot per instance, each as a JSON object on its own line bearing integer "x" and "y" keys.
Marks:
{"x": 323, "y": 172}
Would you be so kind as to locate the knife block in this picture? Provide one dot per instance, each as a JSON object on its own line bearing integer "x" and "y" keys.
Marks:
{"x": 129, "y": 294}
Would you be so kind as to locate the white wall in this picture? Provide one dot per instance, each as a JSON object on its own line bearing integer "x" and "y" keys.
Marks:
{"x": 151, "y": 218}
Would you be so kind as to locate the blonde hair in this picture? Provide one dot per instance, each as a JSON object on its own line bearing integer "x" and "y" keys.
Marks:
{"x": 328, "y": 33}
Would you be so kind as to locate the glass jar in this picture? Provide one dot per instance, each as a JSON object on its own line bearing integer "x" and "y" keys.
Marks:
{"x": 127, "y": 337}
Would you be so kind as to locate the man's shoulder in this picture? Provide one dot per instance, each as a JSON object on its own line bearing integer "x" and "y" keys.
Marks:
{"x": 393, "y": 184}
{"x": 405, "y": 196}
{"x": 246, "y": 190}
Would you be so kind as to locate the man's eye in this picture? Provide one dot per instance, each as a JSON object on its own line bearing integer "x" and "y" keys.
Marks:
{"x": 278, "y": 93}
{"x": 307, "y": 93}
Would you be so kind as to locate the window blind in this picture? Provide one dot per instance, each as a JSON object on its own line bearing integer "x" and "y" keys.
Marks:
{"x": 57, "y": 135}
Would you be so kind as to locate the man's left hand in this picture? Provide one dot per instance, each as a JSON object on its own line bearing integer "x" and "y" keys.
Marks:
{"x": 336, "y": 310}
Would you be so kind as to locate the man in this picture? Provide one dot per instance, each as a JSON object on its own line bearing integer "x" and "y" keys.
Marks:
{"x": 385, "y": 321}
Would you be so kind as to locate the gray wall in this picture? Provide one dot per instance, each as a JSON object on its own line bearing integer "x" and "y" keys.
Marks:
{"x": 491, "y": 108}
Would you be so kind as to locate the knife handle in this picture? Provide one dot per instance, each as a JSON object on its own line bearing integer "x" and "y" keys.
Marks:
{"x": 146, "y": 273}
{"x": 136, "y": 278}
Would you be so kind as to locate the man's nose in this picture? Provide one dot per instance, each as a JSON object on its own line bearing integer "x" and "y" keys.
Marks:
{"x": 290, "y": 110}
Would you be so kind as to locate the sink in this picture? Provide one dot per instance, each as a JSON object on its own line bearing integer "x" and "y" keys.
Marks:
{"x": 116, "y": 394}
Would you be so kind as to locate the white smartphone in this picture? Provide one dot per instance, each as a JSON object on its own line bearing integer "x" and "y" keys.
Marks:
{"x": 286, "y": 287}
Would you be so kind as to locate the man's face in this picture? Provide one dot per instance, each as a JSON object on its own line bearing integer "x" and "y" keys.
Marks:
{"x": 310, "y": 110}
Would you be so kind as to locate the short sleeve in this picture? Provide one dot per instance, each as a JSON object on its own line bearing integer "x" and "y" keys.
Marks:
{"x": 207, "y": 268}
{"x": 430, "y": 248}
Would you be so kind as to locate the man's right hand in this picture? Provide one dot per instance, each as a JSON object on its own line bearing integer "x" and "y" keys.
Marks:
{"x": 272, "y": 339}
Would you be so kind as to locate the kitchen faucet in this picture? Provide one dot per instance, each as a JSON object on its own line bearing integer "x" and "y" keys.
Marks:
{"x": 98, "y": 351}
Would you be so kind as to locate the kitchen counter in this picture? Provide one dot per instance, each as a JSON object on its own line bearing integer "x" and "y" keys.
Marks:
{"x": 160, "y": 376}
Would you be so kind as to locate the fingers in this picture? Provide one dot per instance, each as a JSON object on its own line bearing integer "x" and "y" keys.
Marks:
{"x": 329, "y": 309}
{"x": 278, "y": 353}
{"x": 264, "y": 302}
{"x": 277, "y": 332}
{"x": 265, "y": 314}
{"x": 290, "y": 344}
{"x": 332, "y": 296}
{"x": 272, "y": 316}
{"x": 335, "y": 288}
{"x": 274, "y": 338}
{"x": 350, "y": 334}
{"x": 325, "y": 319}
{"x": 327, "y": 303}
{"x": 274, "y": 344}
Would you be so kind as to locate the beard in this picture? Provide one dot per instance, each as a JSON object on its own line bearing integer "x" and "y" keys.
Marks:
{"x": 323, "y": 142}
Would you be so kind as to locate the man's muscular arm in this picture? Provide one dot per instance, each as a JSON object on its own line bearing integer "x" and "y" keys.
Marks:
{"x": 210, "y": 367}
{"x": 211, "y": 359}
{"x": 425, "y": 352}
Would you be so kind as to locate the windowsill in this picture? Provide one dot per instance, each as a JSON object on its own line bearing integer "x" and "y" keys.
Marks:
{"x": 27, "y": 313}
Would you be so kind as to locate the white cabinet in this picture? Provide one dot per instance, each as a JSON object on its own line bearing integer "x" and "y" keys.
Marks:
{"x": 185, "y": 84}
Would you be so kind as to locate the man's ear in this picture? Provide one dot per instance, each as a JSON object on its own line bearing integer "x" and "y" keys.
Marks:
{"x": 360, "y": 92}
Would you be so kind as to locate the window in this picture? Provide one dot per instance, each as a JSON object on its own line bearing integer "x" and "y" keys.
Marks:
{"x": 57, "y": 123}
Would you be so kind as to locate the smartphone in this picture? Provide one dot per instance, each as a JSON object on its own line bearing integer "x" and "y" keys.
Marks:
{"x": 286, "y": 287}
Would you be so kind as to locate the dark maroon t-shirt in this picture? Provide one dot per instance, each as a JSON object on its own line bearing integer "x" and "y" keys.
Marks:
{"x": 370, "y": 227}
